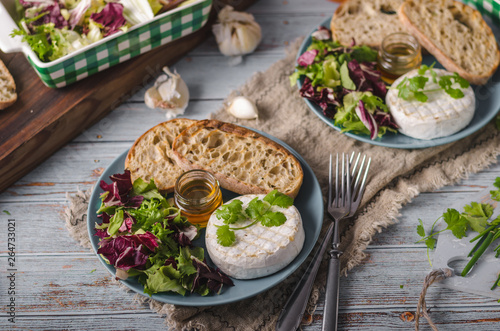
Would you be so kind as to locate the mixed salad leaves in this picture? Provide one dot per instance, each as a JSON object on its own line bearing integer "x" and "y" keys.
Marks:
{"x": 344, "y": 82}
{"x": 55, "y": 28}
{"x": 142, "y": 235}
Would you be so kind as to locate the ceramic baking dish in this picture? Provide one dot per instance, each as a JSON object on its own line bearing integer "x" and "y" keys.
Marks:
{"x": 108, "y": 51}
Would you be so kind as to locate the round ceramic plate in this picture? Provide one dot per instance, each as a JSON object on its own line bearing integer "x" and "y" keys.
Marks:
{"x": 487, "y": 106}
{"x": 309, "y": 202}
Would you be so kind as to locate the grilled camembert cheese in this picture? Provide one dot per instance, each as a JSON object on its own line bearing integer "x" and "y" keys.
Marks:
{"x": 439, "y": 116}
{"x": 258, "y": 250}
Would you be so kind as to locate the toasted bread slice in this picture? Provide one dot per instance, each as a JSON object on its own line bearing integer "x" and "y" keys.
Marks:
{"x": 366, "y": 22}
{"x": 242, "y": 160}
{"x": 8, "y": 93}
{"x": 151, "y": 154}
{"x": 455, "y": 34}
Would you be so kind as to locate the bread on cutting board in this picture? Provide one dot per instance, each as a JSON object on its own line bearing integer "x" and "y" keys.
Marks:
{"x": 8, "y": 93}
{"x": 366, "y": 22}
{"x": 242, "y": 160}
{"x": 455, "y": 34}
{"x": 151, "y": 154}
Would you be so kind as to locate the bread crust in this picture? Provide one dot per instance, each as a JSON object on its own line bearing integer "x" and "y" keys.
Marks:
{"x": 8, "y": 95}
{"x": 151, "y": 154}
{"x": 186, "y": 142}
{"x": 444, "y": 56}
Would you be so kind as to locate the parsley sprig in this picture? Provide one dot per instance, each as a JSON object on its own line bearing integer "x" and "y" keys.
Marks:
{"x": 475, "y": 216}
{"x": 257, "y": 210}
{"x": 414, "y": 87}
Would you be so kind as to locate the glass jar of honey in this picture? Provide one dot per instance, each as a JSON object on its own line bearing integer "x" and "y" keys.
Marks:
{"x": 399, "y": 53}
{"x": 197, "y": 194}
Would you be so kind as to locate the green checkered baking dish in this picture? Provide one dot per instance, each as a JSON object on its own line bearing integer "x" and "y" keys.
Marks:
{"x": 490, "y": 8}
{"x": 113, "y": 49}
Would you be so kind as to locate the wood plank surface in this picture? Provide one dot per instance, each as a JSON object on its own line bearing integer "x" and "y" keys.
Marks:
{"x": 63, "y": 286}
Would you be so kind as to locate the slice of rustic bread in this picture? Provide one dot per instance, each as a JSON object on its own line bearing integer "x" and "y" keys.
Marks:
{"x": 455, "y": 34}
{"x": 366, "y": 22}
{"x": 8, "y": 93}
{"x": 151, "y": 154}
{"x": 242, "y": 160}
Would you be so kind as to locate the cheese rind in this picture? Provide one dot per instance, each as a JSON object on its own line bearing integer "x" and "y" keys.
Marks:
{"x": 258, "y": 250}
{"x": 439, "y": 116}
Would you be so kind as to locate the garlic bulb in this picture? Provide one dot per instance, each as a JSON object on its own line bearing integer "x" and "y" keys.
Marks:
{"x": 169, "y": 92}
{"x": 242, "y": 107}
{"x": 237, "y": 33}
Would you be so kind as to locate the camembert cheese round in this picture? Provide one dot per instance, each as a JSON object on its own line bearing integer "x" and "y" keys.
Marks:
{"x": 439, "y": 116}
{"x": 258, "y": 250}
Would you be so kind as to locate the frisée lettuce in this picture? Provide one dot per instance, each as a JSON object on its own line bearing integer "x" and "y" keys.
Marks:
{"x": 344, "y": 83}
{"x": 142, "y": 235}
{"x": 55, "y": 28}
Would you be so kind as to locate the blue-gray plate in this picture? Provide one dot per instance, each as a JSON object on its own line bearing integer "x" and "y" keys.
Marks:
{"x": 309, "y": 202}
{"x": 487, "y": 106}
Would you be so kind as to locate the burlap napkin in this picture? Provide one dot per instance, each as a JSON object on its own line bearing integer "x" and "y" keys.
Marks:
{"x": 396, "y": 176}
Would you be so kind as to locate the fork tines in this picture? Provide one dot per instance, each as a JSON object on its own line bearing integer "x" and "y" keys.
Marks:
{"x": 357, "y": 173}
{"x": 357, "y": 166}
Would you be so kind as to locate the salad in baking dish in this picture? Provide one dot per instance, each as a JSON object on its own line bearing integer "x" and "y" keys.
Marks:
{"x": 55, "y": 28}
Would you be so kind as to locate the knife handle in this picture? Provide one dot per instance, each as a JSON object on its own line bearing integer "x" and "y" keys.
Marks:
{"x": 331, "y": 310}
{"x": 291, "y": 314}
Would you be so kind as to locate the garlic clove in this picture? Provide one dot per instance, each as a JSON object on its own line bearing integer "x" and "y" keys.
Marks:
{"x": 152, "y": 97}
{"x": 243, "y": 108}
{"x": 169, "y": 92}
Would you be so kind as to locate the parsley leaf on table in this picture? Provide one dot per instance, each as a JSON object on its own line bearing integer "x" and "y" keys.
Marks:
{"x": 456, "y": 223}
{"x": 477, "y": 214}
{"x": 495, "y": 194}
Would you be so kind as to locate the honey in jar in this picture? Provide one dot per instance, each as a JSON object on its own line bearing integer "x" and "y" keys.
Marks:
{"x": 197, "y": 194}
{"x": 399, "y": 53}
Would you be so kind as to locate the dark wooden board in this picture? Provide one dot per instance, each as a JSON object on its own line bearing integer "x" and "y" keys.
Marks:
{"x": 44, "y": 119}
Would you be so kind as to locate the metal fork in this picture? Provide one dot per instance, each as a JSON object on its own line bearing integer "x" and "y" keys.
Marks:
{"x": 340, "y": 206}
{"x": 291, "y": 314}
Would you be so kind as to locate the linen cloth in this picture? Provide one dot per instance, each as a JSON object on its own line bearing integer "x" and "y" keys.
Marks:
{"x": 396, "y": 176}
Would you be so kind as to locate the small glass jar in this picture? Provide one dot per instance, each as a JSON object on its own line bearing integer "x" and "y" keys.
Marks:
{"x": 399, "y": 53}
{"x": 197, "y": 194}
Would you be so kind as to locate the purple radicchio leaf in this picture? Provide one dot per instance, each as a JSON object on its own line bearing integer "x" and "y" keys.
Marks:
{"x": 325, "y": 98}
{"x": 123, "y": 252}
{"x": 307, "y": 58}
{"x": 322, "y": 33}
{"x": 171, "y": 261}
{"x": 127, "y": 223}
{"x": 110, "y": 17}
{"x": 213, "y": 278}
{"x": 367, "y": 119}
{"x": 52, "y": 10}
{"x": 147, "y": 239}
{"x": 385, "y": 119}
{"x": 183, "y": 235}
{"x": 367, "y": 78}
{"x": 103, "y": 233}
{"x": 118, "y": 191}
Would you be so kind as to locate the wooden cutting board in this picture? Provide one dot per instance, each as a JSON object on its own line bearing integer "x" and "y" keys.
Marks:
{"x": 44, "y": 119}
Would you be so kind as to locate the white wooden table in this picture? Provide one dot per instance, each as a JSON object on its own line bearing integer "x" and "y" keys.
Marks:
{"x": 59, "y": 285}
